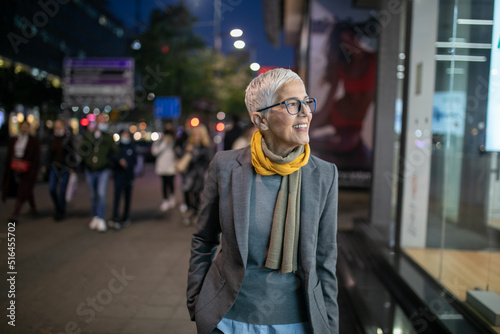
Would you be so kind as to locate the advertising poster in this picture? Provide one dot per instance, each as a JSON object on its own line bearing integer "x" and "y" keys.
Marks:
{"x": 342, "y": 75}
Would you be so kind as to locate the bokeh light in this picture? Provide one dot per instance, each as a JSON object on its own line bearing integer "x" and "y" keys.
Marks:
{"x": 195, "y": 121}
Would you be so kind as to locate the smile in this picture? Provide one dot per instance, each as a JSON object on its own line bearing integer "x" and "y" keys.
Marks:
{"x": 300, "y": 126}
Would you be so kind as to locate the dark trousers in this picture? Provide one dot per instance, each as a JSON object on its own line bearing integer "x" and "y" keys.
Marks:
{"x": 167, "y": 185}
{"x": 192, "y": 200}
{"x": 123, "y": 185}
{"x": 19, "y": 205}
{"x": 58, "y": 180}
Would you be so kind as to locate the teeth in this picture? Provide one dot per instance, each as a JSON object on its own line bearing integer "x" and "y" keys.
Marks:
{"x": 300, "y": 126}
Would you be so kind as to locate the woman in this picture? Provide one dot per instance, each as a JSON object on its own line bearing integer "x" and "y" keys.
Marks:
{"x": 21, "y": 169}
{"x": 163, "y": 150}
{"x": 193, "y": 180}
{"x": 352, "y": 64}
{"x": 62, "y": 160}
{"x": 273, "y": 209}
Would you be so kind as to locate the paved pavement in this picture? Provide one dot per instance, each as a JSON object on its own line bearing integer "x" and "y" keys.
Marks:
{"x": 73, "y": 280}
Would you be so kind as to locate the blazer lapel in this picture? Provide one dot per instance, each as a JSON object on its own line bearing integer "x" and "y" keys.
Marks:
{"x": 241, "y": 181}
{"x": 309, "y": 201}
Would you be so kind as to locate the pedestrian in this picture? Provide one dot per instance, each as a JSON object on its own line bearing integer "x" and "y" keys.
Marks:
{"x": 163, "y": 150}
{"x": 123, "y": 175}
{"x": 234, "y": 133}
{"x": 193, "y": 180}
{"x": 21, "y": 170}
{"x": 61, "y": 162}
{"x": 97, "y": 149}
{"x": 245, "y": 138}
{"x": 272, "y": 207}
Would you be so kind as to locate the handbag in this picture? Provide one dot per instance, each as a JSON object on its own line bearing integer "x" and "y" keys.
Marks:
{"x": 182, "y": 164}
{"x": 72, "y": 187}
{"x": 19, "y": 165}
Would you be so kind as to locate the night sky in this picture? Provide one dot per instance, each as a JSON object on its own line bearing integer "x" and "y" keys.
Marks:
{"x": 245, "y": 15}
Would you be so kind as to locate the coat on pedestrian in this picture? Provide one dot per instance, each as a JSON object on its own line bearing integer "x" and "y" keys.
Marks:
{"x": 163, "y": 150}
{"x": 21, "y": 185}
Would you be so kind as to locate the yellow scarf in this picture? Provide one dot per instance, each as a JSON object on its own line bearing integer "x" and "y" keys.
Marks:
{"x": 264, "y": 166}
{"x": 284, "y": 240}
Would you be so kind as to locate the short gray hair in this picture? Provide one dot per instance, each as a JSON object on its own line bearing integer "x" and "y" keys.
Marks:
{"x": 262, "y": 90}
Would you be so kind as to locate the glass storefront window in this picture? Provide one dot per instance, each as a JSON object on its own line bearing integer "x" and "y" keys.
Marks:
{"x": 461, "y": 233}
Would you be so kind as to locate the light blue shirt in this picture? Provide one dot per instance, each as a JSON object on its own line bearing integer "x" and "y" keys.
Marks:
{"x": 228, "y": 326}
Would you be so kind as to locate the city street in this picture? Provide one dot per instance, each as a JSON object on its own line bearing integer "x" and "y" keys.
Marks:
{"x": 71, "y": 279}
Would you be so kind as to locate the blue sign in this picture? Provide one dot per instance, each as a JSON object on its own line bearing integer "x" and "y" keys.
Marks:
{"x": 167, "y": 107}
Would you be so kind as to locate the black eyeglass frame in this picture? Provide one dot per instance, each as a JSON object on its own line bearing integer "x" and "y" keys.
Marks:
{"x": 286, "y": 105}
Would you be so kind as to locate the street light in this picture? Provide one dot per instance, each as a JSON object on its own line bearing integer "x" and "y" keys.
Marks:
{"x": 236, "y": 33}
{"x": 254, "y": 67}
{"x": 239, "y": 44}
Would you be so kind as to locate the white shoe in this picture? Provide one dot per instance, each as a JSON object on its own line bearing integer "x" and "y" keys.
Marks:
{"x": 171, "y": 202}
{"x": 183, "y": 208}
{"x": 101, "y": 225}
{"x": 93, "y": 223}
{"x": 165, "y": 205}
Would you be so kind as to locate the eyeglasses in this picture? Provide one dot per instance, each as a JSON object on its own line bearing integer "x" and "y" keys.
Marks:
{"x": 293, "y": 105}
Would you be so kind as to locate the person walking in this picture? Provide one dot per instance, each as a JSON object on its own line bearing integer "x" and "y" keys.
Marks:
{"x": 123, "y": 175}
{"x": 163, "y": 150}
{"x": 61, "y": 162}
{"x": 97, "y": 149}
{"x": 193, "y": 180}
{"x": 272, "y": 209}
{"x": 21, "y": 170}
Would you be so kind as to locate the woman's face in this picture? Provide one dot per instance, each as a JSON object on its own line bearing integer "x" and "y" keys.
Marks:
{"x": 25, "y": 128}
{"x": 196, "y": 136}
{"x": 284, "y": 131}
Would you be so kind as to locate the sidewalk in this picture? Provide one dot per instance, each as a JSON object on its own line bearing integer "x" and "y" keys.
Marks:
{"x": 70, "y": 278}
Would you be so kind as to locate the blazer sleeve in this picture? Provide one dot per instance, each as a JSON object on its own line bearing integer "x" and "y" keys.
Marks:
{"x": 206, "y": 239}
{"x": 326, "y": 257}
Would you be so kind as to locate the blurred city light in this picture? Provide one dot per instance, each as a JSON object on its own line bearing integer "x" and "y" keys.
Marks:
{"x": 221, "y": 115}
{"x": 20, "y": 117}
{"x": 137, "y": 136}
{"x": 136, "y": 45}
{"x": 84, "y": 122}
{"x": 133, "y": 129}
{"x": 155, "y": 136}
{"x": 75, "y": 109}
{"x": 236, "y": 33}
{"x": 217, "y": 139}
{"x": 116, "y": 137}
{"x": 195, "y": 121}
{"x": 30, "y": 118}
{"x": 91, "y": 117}
{"x": 151, "y": 96}
{"x": 86, "y": 110}
{"x": 239, "y": 44}
{"x": 142, "y": 125}
{"x": 220, "y": 126}
{"x": 254, "y": 67}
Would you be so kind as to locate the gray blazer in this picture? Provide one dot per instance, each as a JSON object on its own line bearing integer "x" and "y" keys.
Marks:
{"x": 214, "y": 281}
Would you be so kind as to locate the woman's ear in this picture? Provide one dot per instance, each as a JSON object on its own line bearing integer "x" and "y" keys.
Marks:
{"x": 259, "y": 121}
